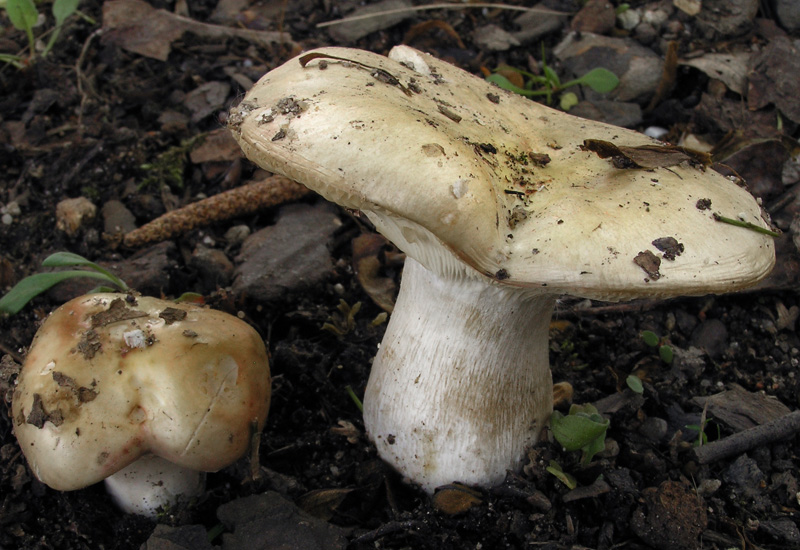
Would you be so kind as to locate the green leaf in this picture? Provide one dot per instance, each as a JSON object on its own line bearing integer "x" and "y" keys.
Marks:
{"x": 30, "y": 287}
{"x": 600, "y": 80}
{"x": 190, "y": 298}
{"x": 568, "y": 101}
{"x": 22, "y": 13}
{"x": 650, "y": 338}
{"x": 63, "y": 9}
{"x": 575, "y": 431}
{"x": 592, "y": 448}
{"x": 665, "y": 352}
{"x": 635, "y": 383}
{"x": 565, "y": 478}
{"x": 552, "y": 76}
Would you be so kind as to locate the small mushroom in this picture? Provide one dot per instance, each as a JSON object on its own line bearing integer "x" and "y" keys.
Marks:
{"x": 144, "y": 393}
{"x": 500, "y": 209}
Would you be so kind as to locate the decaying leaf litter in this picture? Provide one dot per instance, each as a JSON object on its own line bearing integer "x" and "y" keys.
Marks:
{"x": 722, "y": 343}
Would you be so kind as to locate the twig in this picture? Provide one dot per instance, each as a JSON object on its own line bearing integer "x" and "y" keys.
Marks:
{"x": 441, "y": 6}
{"x": 746, "y": 225}
{"x": 409, "y": 526}
{"x": 247, "y": 199}
{"x": 80, "y": 78}
{"x": 763, "y": 434}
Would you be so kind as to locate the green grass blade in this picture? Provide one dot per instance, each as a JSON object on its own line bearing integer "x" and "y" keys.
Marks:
{"x": 30, "y": 287}
{"x": 68, "y": 259}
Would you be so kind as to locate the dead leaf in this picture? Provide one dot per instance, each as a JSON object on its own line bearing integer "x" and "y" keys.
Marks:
{"x": 787, "y": 317}
{"x": 729, "y": 68}
{"x": 432, "y": 25}
{"x": 367, "y": 249}
{"x": 323, "y": 503}
{"x": 669, "y": 246}
{"x": 562, "y": 393}
{"x": 650, "y": 263}
{"x": 138, "y": 27}
{"x": 773, "y": 78}
{"x": 645, "y": 156}
{"x": 217, "y": 146}
{"x": 347, "y": 429}
{"x": 455, "y": 499}
{"x": 740, "y": 409}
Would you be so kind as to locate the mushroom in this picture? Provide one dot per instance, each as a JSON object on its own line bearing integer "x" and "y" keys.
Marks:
{"x": 501, "y": 207}
{"x": 144, "y": 393}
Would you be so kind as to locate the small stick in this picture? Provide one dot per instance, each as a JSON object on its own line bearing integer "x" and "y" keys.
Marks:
{"x": 243, "y": 200}
{"x": 746, "y": 225}
{"x": 763, "y": 434}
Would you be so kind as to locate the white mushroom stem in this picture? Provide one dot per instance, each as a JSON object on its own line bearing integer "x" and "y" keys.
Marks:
{"x": 461, "y": 384}
{"x": 152, "y": 482}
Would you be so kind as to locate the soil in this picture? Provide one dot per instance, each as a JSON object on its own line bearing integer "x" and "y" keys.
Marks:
{"x": 92, "y": 119}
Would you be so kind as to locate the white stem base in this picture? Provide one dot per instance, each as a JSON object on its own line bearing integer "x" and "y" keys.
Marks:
{"x": 461, "y": 384}
{"x": 150, "y": 482}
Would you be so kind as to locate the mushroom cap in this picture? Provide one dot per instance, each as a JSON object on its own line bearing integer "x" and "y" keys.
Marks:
{"x": 108, "y": 379}
{"x": 441, "y": 160}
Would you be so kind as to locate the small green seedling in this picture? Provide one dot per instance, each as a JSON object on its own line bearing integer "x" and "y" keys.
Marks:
{"x": 635, "y": 383}
{"x": 700, "y": 428}
{"x": 564, "y": 477}
{"x": 343, "y": 321}
{"x": 548, "y": 84}
{"x": 583, "y": 429}
{"x": 24, "y": 16}
{"x": 654, "y": 341}
{"x": 355, "y": 398}
{"x": 30, "y": 287}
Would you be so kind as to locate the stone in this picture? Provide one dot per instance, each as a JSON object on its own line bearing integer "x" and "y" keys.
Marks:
{"x": 213, "y": 266}
{"x": 494, "y": 38}
{"x": 712, "y": 336}
{"x": 287, "y": 257}
{"x": 534, "y": 25}
{"x": 720, "y": 19}
{"x": 270, "y": 522}
{"x": 788, "y": 14}
{"x": 351, "y": 31}
{"x": 185, "y": 537}
{"x": 72, "y": 214}
{"x": 618, "y": 113}
{"x": 117, "y": 219}
{"x": 596, "y": 16}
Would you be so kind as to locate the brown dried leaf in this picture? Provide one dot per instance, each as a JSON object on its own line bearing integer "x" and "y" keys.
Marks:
{"x": 650, "y": 263}
{"x": 323, "y": 503}
{"x": 773, "y": 78}
{"x": 646, "y": 156}
{"x": 367, "y": 251}
{"x": 669, "y": 246}
{"x": 138, "y": 27}
{"x": 348, "y": 430}
{"x": 455, "y": 499}
{"x": 428, "y": 26}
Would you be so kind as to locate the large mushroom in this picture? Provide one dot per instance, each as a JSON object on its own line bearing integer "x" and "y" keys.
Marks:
{"x": 501, "y": 205}
{"x": 144, "y": 393}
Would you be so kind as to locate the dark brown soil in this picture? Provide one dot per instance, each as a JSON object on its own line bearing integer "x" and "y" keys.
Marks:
{"x": 65, "y": 134}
